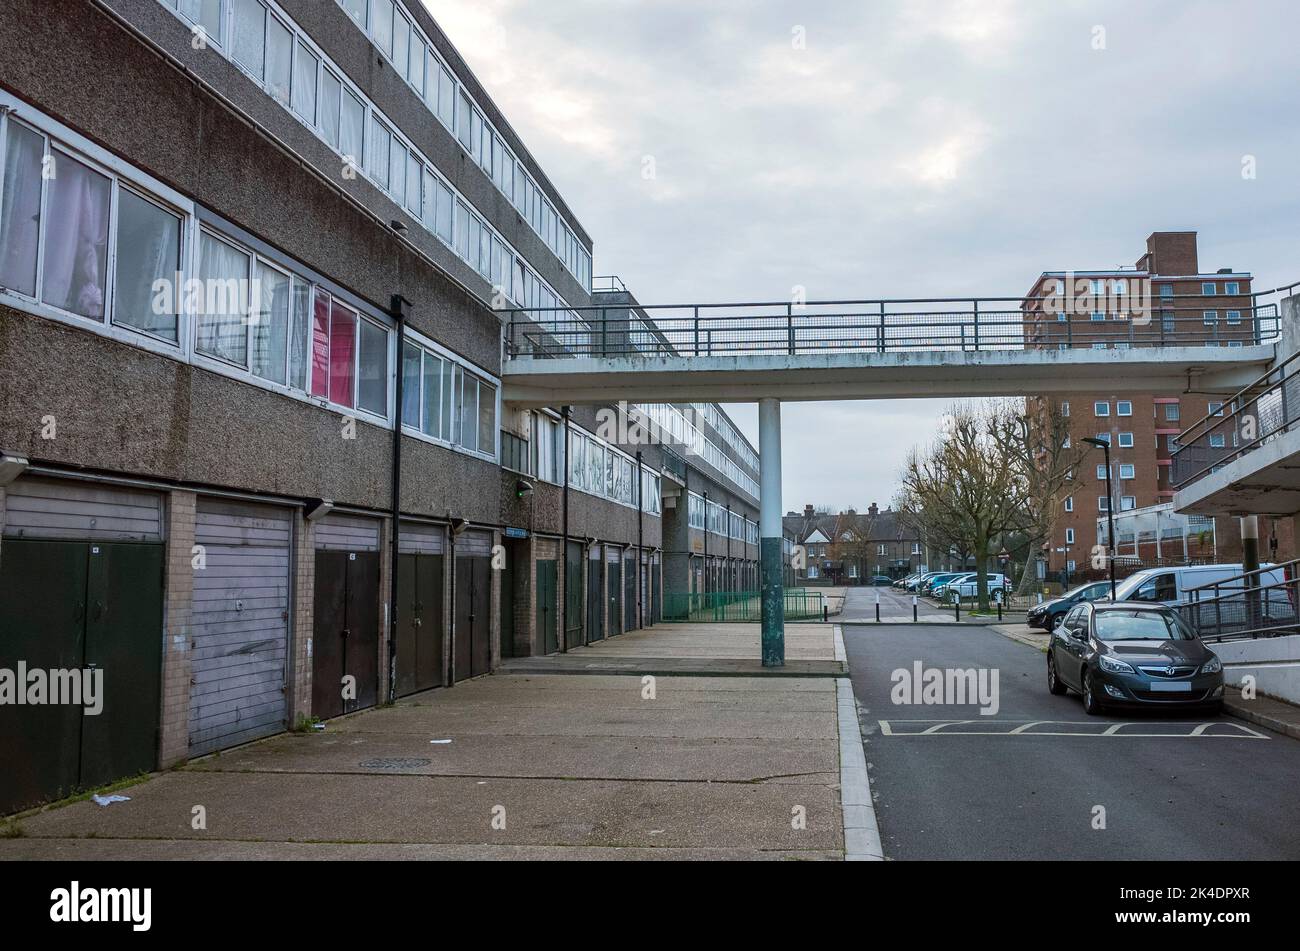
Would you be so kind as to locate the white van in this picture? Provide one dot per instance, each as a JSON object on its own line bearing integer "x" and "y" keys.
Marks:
{"x": 1171, "y": 585}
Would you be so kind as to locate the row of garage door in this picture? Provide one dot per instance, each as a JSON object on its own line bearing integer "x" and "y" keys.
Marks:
{"x": 81, "y": 586}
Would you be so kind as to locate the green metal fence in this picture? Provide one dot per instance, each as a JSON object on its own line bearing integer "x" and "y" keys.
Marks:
{"x": 738, "y": 606}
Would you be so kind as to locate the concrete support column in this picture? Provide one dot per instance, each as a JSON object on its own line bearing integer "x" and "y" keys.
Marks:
{"x": 769, "y": 525}
{"x": 1250, "y": 562}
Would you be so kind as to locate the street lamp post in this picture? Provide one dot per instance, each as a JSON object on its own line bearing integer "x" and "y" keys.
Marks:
{"x": 1110, "y": 511}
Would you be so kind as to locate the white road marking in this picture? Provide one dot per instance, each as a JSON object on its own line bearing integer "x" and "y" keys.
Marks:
{"x": 939, "y": 727}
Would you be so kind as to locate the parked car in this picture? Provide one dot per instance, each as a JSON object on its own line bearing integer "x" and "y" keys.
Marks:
{"x": 1172, "y": 585}
{"x": 967, "y": 586}
{"x": 928, "y": 583}
{"x": 1132, "y": 654}
{"x": 922, "y": 578}
{"x": 904, "y": 582}
{"x": 1046, "y": 615}
{"x": 879, "y": 580}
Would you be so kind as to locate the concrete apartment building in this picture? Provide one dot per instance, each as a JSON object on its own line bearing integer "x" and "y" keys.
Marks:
{"x": 256, "y": 464}
{"x": 1165, "y": 297}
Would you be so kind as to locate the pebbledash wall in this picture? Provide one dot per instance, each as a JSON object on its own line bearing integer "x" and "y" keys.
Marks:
{"x": 232, "y": 468}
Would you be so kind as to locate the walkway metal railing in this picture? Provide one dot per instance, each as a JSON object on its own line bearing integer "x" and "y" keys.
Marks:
{"x": 1259, "y": 603}
{"x": 880, "y": 326}
{"x": 1250, "y": 418}
{"x": 738, "y": 606}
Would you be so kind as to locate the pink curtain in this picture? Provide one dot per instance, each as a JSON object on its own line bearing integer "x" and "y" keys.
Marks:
{"x": 343, "y": 345}
{"x": 320, "y": 346}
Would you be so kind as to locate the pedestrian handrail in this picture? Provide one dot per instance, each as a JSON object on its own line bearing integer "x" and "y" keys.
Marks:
{"x": 628, "y": 329}
{"x": 1254, "y": 416}
{"x": 1252, "y": 604}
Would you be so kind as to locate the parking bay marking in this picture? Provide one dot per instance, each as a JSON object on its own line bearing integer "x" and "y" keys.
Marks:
{"x": 1231, "y": 731}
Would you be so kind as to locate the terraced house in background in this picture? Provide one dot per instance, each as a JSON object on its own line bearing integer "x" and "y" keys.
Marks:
{"x": 254, "y": 442}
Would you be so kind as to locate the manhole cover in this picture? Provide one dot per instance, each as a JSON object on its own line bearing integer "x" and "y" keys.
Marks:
{"x": 387, "y": 762}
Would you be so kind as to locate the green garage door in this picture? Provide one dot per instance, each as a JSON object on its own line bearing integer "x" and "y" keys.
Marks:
{"x": 81, "y": 592}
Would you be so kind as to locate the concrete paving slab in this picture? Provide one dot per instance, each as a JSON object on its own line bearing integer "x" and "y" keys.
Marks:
{"x": 584, "y": 768}
{"x": 651, "y": 758}
{"x": 452, "y": 720}
{"x": 153, "y": 850}
{"x": 531, "y": 684}
{"x": 446, "y": 810}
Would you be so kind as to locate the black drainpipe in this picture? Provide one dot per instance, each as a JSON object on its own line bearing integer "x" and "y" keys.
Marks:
{"x": 640, "y": 509}
{"x": 706, "y": 543}
{"x": 564, "y": 545}
{"x": 728, "y": 568}
{"x": 450, "y": 660}
{"x": 400, "y": 309}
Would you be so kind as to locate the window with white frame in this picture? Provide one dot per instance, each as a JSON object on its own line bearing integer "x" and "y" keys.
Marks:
{"x": 1172, "y": 412}
{"x": 1127, "y": 471}
{"x": 1233, "y": 317}
{"x": 1127, "y": 503}
{"x": 1101, "y": 409}
{"x": 1208, "y": 289}
{"x": 1215, "y": 409}
{"x": 271, "y": 49}
{"x": 1069, "y": 536}
{"x": 1103, "y": 504}
{"x": 103, "y": 244}
{"x": 1104, "y": 437}
{"x": 1232, "y": 288}
{"x": 1124, "y": 408}
{"x": 1211, "y": 317}
{"x": 58, "y": 233}
{"x": 415, "y": 59}
{"x": 547, "y": 450}
{"x": 1217, "y": 441}
{"x": 1126, "y": 440}
{"x": 1101, "y": 471}
{"x": 1065, "y": 408}
{"x": 449, "y": 403}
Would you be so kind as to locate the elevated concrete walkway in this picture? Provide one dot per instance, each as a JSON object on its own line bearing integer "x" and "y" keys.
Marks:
{"x": 531, "y": 381}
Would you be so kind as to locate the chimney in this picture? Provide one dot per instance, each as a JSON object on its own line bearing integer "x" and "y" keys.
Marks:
{"x": 1172, "y": 253}
{"x": 874, "y": 510}
{"x": 807, "y": 511}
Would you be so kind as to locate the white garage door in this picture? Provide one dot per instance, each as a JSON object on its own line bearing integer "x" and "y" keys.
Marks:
{"x": 240, "y": 624}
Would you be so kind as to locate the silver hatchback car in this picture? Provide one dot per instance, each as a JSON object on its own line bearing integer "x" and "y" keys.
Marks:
{"x": 1132, "y": 654}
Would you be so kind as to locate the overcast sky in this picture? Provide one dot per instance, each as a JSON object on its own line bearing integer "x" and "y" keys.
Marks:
{"x": 881, "y": 148}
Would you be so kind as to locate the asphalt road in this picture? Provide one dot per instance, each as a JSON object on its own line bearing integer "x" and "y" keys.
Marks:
{"x": 951, "y": 783}
{"x": 860, "y": 604}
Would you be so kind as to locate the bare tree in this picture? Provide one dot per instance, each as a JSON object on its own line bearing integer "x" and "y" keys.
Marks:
{"x": 1034, "y": 438}
{"x": 967, "y": 487}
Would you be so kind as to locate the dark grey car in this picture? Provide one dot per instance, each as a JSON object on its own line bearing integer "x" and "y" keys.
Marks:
{"x": 1132, "y": 654}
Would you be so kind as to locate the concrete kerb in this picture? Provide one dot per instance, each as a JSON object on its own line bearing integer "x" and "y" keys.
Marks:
{"x": 861, "y": 831}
